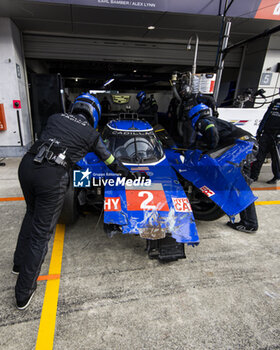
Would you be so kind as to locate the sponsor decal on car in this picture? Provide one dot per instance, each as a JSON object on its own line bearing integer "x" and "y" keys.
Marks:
{"x": 239, "y": 122}
{"x": 140, "y": 168}
{"x": 112, "y": 204}
{"x": 182, "y": 205}
{"x": 146, "y": 199}
{"x": 207, "y": 191}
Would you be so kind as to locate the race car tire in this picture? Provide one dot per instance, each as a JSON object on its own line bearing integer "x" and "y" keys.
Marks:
{"x": 210, "y": 212}
{"x": 203, "y": 207}
{"x": 69, "y": 213}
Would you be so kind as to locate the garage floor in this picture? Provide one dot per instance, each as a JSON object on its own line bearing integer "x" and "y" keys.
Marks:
{"x": 225, "y": 295}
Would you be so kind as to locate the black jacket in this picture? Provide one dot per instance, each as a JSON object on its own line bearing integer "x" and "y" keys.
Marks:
{"x": 195, "y": 99}
{"x": 208, "y": 101}
{"x": 271, "y": 121}
{"x": 74, "y": 133}
{"x": 148, "y": 106}
{"x": 216, "y": 132}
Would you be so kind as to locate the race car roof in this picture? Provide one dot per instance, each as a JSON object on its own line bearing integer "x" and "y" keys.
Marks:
{"x": 131, "y": 125}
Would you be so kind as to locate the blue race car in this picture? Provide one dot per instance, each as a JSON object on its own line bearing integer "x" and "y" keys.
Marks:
{"x": 183, "y": 185}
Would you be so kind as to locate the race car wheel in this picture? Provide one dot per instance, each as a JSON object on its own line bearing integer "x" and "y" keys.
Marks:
{"x": 69, "y": 213}
{"x": 204, "y": 208}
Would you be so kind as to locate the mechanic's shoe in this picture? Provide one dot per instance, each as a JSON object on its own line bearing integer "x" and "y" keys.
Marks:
{"x": 241, "y": 227}
{"x": 22, "y": 305}
{"x": 273, "y": 181}
{"x": 16, "y": 269}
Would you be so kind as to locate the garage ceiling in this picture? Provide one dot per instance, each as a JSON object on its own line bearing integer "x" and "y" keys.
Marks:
{"x": 83, "y": 33}
{"x": 99, "y": 22}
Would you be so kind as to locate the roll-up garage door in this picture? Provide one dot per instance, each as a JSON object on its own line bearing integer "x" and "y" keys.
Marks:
{"x": 88, "y": 49}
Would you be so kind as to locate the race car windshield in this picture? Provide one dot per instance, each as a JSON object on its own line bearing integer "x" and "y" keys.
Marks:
{"x": 135, "y": 148}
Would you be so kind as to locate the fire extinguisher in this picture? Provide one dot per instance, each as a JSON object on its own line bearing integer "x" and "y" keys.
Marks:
{"x": 3, "y": 124}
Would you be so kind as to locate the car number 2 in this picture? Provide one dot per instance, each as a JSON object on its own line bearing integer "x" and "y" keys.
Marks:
{"x": 146, "y": 200}
{"x": 144, "y": 205}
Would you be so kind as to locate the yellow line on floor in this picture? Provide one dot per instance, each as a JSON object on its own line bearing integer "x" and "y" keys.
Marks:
{"x": 274, "y": 188}
{"x": 48, "y": 317}
{"x": 267, "y": 202}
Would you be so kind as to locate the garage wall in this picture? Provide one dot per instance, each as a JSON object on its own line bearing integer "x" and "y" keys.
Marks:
{"x": 270, "y": 75}
{"x": 163, "y": 99}
{"x": 13, "y": 87}
{"x": 75, "y": 48}
{"x": 255, "y": 54}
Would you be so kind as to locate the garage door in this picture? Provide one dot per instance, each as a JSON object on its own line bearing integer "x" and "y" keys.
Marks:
{"x": 74, "y": 48}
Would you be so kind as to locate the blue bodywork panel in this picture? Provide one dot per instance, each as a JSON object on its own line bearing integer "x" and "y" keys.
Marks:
{"x": 218, "y": 175}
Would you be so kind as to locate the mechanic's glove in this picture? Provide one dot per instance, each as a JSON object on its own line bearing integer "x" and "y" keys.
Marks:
{"x": 216, "y": 113}
{"x": 131, "y": 176}
{"x": 117, "y": 167}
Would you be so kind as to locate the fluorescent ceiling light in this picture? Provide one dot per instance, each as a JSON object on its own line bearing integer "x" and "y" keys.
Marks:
{"x": 103, "y": 92}
{"x": 97, "y": 91}
{"x": 109, "y": 82}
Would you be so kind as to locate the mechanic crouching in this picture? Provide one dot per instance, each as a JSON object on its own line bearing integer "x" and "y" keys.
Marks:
{"x": 44, "y": 178}
{"x": 218, "y": 133}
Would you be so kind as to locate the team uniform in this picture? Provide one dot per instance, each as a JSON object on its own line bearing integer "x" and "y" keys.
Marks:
{"x": 44, "y": 178}
{"x": 218, "y": 133}
{"x": 267, "y": 137}
{"x": 147, "y": 106}
{"x": 187, "y": 104}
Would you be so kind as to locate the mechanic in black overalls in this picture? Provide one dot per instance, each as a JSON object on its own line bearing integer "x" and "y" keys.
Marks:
{"x": 267, "y": 137}
{"x": 172, "y": 116}
{"x": 147, "y": 106}
{"x": 106, "y": 105}
{"x": 189, "y": 100}
{"x": 218, "y": 133}
{"x": 44, "y": 178}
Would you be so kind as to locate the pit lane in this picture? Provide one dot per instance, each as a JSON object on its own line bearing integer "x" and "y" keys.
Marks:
{"x": 225, "y": 295}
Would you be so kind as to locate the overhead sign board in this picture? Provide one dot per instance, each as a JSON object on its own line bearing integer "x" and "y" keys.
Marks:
{"x": 266, "y": 9}
{"x": 269, "y": 9}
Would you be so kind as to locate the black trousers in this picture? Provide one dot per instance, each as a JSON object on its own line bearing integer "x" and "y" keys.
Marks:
{"x": 44, "y": 186}
{"x": 249, "y": 215}
{"x": 266, "y": 145}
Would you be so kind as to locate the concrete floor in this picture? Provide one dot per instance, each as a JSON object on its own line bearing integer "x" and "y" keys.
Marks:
{"x": 225, "y": 295}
